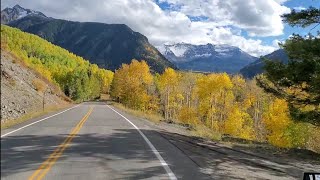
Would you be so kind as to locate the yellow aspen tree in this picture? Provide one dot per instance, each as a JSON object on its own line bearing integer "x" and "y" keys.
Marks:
{"x": 188, "y": 115}
{"x": 168, "y": 82}
{"x": 187, "y": 86}
{"x": 214, "y": 92}
{"x": 130, "y": 85}
{"x": 277, "y": 121}
{"x": 239, "y": 123}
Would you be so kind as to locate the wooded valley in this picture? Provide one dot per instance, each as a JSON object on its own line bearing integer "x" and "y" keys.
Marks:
{"x": 223, "y": 104}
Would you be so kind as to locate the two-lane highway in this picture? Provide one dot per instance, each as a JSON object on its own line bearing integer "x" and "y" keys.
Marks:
{"x": 97, "y": 141}
{"x": 91, "y": 141}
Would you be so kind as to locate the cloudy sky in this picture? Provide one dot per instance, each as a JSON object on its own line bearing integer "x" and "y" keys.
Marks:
{"x": 255, "y": 26}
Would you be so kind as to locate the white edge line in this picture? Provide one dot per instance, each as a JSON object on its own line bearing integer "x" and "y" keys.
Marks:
{"x": 154, "y": 150}
{"x": 38, "y": 121}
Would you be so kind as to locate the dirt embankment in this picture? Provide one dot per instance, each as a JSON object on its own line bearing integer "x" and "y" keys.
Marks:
{"x": 22, "y": 90}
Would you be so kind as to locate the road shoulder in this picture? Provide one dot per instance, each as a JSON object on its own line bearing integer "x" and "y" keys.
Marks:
{"x": 272, "y": 164}
{"x": 26, "y": 121}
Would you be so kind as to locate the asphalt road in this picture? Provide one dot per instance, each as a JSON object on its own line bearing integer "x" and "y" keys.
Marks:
{"x": 96, "y": 141}
{"x": 90, "y": 141}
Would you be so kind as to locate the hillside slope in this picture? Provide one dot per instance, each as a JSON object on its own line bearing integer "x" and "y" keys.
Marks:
{"x": 21, "y": 91}
{"x": 76, "y": 77}
{"x": 256, "y": 67}
{"x": 107, "y": 45}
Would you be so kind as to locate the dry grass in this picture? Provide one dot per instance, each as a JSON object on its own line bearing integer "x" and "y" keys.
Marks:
{"x": 11, "y": 122}
{"x": 207, "y": 133}
{"x": 39, "y": 85}
{"x": 15, "y": 59}
{"x": 150, "y": 116}
{"x": 314, "y": 141}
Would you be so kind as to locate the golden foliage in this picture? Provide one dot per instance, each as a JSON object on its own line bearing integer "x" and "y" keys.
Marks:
{"x": 167, "y": 84}
{"x": 239, "y": 124}
{"x": 277, "y": 121}
{"x": 188, "y": 116}
{"x": 131, "y": 83}
{"x": 213, "y": 104}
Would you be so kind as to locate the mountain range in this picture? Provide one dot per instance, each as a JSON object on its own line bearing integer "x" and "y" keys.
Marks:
{"x": 207, "y": 57}
{"x": 111, "y": 45}
{"x": 107, "y": 45}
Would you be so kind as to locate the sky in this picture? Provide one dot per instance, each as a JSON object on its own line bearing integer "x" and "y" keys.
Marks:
{"x": 255, "y": 26}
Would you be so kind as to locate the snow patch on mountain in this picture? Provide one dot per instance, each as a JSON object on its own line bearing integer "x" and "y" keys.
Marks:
{"x": 178, "y": 50}
{"x": 203, "y": 55}
{"x": 17, "y": 12}
{"x": 22, "y": 14}
{"x": 162, "y": 49}
{"x": 225, "y": 48}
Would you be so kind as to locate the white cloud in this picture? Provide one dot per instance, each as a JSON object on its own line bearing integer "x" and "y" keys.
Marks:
{"x": 280, "y": 1}
{"x": 276, "y": 42}
{"x": 299, "y": 8}
{"x": 257, "y": 17}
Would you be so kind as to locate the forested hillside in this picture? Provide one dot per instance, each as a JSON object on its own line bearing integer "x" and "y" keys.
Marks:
{"x": 76, "y": 77}
{"x": 225, "y": 105}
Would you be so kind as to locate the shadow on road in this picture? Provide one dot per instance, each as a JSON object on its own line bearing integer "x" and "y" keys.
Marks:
{"x": 22, "y": 153}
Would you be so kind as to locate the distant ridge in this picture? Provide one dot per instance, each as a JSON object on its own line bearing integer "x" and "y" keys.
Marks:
{"x": 256, "y": 67}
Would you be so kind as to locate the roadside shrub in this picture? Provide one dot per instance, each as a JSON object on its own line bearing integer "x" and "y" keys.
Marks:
{"x": 38, "y": 85}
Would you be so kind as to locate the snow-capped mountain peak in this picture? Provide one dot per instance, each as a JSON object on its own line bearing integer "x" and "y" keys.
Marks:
{"x": 206, "y": 57}
{"x": 177, "y": 50}
{"x": 17, "y": 12}
{"x": 181, "y": 50}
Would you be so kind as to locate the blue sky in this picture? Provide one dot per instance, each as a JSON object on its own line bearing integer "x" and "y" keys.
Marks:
{"x": 255, "y": 26}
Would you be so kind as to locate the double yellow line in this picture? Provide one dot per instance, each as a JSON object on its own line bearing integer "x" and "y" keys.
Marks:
{"x": 45, "y": 166}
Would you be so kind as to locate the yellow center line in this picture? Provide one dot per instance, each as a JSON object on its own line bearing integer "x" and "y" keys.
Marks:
{"x": 45, "y": 166}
